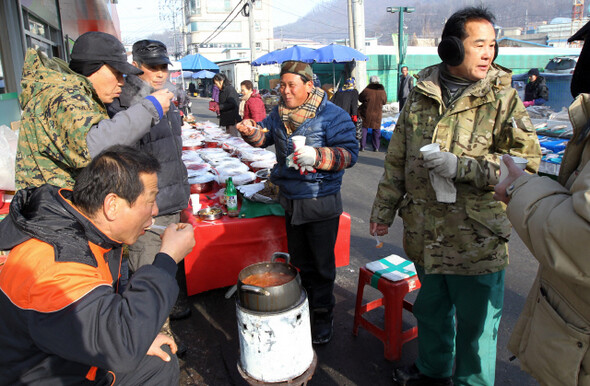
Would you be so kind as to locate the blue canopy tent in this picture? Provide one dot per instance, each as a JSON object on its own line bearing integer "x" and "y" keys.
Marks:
{"x": 197, "y": 62}
{"x": 334, "y": 53}
{"x": 203, "y": 74}
{"x": 280, "y": 56}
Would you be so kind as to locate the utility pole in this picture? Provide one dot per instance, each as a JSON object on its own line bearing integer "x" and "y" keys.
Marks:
{"x": 184, "y": 33}
{"x": 358, "y": 22}
{"x": 401, "y": 41}
{"x": 169, "y": 12}
{"x": 250, "y": 16}
{"x": 350, "y": 25}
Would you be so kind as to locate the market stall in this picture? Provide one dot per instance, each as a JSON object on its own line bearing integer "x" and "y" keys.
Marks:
{"x": 225, "y": 245}
{"x": 553, "y": 129}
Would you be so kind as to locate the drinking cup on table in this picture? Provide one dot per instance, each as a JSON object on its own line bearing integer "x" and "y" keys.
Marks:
{"x": 430, "y": 148}
{"x": 298, "y": 141}
{"x": 519, "y": 161}
{"x": 195, "y": 202}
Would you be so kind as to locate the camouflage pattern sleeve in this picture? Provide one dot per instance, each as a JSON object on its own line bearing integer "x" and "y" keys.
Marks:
{"x": 391, "y": 188}
{"x": 73, "y": 116}
{"x": 513, "y": 133}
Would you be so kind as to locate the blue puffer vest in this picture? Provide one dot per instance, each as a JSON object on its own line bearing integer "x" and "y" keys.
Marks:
{"x": 164, "y": 142}
{"x": 331, "y": 127}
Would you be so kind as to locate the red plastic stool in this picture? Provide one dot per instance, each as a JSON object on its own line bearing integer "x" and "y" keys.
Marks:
{"x": 392, "y": 336}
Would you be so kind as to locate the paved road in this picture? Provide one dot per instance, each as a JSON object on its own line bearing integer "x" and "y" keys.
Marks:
{"x": 212, "y": 336}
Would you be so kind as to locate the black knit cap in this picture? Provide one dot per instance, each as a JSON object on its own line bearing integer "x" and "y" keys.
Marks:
{"x": 534, "y": 71}
{"x": 98, "y": 46}
{"x": 150, "y": 52}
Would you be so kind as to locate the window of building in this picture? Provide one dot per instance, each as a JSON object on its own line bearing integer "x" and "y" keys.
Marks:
{"x": 218, "y": 6}
{"x": 41, "y": 35}
{"x": 194, "y": 7}
{"x": 258, "y": 45}
{"x": 210, "y": 26}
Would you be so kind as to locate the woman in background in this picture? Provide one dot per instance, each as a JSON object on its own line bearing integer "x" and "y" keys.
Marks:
{"x": 253, "y": 104}
{"x": 228, "y": 104}
{"x": 372, "y": 100}
{"x": 347, "y": 98}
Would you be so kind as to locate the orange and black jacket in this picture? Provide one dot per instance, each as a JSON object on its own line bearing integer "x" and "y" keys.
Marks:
{"x": 62, "y": 320}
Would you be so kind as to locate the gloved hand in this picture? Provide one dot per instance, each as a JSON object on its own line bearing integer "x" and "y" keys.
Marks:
{"x": 246, "y": 127}
{"x": 442, "y": 163}
{"x": 305, "y": 156}
{"x": 528, "y": 103}
{"x": 302, "y": 169}
{"x": 305, "y": 169}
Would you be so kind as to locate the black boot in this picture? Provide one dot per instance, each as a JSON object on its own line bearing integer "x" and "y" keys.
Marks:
{"x": 181, "y": 310}
{"x": 411, "y": 376}
{"x": 322, "y": 326}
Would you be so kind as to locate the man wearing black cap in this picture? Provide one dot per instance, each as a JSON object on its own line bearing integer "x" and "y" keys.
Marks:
{"x": 536, "y": 92}
{"x": 164, "y": 142}
{"x": 64, "y": 121}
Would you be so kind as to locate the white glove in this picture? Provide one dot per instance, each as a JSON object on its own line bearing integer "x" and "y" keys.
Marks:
{"x": 442, "y": 163}
{"x": 305, "y": 156}
{"x": 305, "y": 169}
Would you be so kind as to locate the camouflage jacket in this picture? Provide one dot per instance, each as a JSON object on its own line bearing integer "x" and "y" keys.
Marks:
{"x": 488, "y": 120}
{"x": 59, "y": 108}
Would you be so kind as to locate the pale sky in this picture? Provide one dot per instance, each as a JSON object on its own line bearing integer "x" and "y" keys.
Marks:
{"x": 140, "y": 18}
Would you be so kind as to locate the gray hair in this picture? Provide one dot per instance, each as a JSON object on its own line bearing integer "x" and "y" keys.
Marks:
{"x": 374, "y": 79}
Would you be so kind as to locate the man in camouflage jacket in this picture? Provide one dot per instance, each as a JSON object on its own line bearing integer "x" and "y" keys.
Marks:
{"x": 459, "y": 249}
{"x": 64, "y": 121}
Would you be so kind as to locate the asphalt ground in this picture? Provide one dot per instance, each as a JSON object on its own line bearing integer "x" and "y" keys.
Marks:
{"x": 211, "y": 333}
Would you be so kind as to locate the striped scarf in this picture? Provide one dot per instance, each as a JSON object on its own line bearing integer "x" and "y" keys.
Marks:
{"x": 293, "y": 118}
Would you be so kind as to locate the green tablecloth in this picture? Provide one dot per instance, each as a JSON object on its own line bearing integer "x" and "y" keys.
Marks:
{"x": 251, "y": 209}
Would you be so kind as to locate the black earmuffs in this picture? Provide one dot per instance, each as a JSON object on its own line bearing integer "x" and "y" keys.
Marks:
{"x": 452, "y": 52}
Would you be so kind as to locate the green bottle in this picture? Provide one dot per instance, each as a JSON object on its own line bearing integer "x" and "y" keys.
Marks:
{"x": 231, "y": 198}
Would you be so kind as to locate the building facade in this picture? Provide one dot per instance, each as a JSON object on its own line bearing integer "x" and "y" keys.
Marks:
{"x": 49, "y": 25}
{"x": 220, "y": 29}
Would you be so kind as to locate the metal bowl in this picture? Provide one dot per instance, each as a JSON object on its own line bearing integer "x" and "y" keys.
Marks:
{"x": 212, "y": 213}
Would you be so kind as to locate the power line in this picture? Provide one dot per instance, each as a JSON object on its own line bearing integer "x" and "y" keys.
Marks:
{"x": 215, "y": 32}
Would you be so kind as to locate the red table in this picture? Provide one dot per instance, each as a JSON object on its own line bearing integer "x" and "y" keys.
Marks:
{"x": 225, "y": 246}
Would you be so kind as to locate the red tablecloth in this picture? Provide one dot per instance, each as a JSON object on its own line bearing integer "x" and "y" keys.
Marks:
{"x": 225, "y": 246}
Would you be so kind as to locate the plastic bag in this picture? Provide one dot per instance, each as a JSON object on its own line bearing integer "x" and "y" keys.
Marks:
{"x": 8, "y": 145}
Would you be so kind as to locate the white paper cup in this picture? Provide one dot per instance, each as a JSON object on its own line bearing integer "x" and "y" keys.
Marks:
{"x": 519, "y": 161}
{"x": 430, "y": 148}
{"x": 195, "y": 202}
{"x": 298, "y": 141}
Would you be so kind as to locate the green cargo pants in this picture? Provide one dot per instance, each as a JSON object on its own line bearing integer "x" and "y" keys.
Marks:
{"x": 458, "y": 318}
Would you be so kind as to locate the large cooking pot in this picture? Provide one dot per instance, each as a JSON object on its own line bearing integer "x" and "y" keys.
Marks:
{"x": 269, "y": 287}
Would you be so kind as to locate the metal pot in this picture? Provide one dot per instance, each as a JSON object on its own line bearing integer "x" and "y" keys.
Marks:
{"x": 270, "y": 298}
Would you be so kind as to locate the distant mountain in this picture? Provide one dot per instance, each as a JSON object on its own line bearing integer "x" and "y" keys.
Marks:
{"x": 328, "y": 21}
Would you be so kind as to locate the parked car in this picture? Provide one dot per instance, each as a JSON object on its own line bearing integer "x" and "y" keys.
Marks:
{"x": 562, "y": 64}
